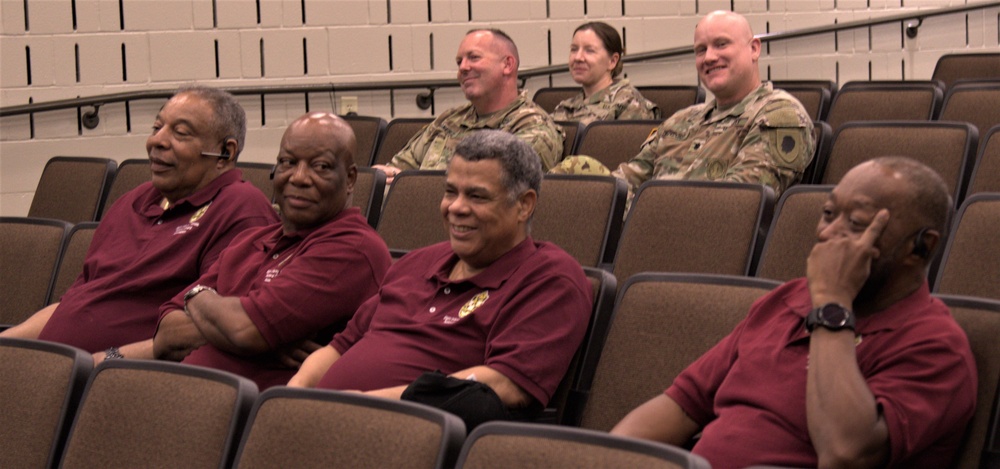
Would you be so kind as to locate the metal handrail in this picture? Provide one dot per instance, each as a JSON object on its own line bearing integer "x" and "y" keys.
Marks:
{"x": 431, "y": 85}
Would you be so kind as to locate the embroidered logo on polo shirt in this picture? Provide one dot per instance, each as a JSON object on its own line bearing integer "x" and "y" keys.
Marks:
{"x": 474, "y": 304}
{"x": 200, "y": 213}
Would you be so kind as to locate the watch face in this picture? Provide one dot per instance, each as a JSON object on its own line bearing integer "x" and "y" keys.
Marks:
{"x": 834, "y": 315}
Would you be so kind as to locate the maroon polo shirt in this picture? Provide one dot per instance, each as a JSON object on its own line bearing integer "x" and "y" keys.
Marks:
{"x": 749, "y": 391}
{"x": 293, "y": 287}
{"x": 142, "y": 256}
{"x": 523, "y": 316}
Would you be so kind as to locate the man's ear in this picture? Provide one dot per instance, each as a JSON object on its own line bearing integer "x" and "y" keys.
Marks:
{"x": 526, "y": 205}
{"x": 509, "y": 65}
{"x": 755, "y": 48}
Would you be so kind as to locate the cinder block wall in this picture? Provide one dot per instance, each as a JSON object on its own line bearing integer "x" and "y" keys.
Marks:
{"x": 58, "y": 49}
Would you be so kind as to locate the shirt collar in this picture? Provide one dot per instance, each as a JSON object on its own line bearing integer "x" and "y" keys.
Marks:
{"x": 494, "y": 275}
{"x": 151, "y": 205}
{"x": 737, "y": 109}
{"x": 485, "y": 120}
{"x": 280, "y": 240}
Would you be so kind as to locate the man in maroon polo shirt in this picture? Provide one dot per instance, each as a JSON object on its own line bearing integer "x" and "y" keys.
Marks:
{"x": 856, "y": 365}
{"x": 277, "y": 286}
{"x": 490, "y": 305}
{"x": 158, "y": 238}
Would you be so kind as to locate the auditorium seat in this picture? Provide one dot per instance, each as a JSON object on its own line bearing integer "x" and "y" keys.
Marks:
{"x": 368, "y": 132}
{"x": 884, "y": 101}
{"x": 151, "y": 413}
{"x": 582, "y": 215}
{"x": 693, "y": 226}
{"x": 130, "y": 174}
{"x": 615, "y": 142}
{"x": 30, "y": 249}
{"x": 74, "y": 252}
{"x": 986, "y": 174}
{"x": 946, "y": 147}
{"x": 369, "y": 189}
{"x": 673, "y": 98}
{"x": 661, "y": 323}
{"x": 951, "y": 68}
{"x": 398, "y": 133}
{"x": 72, "y": 188}
{"x": 260, "y": 175}
{"x": 549, "y": 98}
{"x": 298, "y": 427}
{"x": 793, "y": 233}
{"x": 41, "y": 386}
{"x": 504, "y": 445}
{"x": 411, "y": 216}
{"x": 980, "y": 319}
{"x": 970, "y": 264}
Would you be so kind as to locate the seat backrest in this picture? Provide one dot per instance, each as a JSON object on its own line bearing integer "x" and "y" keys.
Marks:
{"x": 369, "y": 189}
{"x": 977, "y": 103}
{"x": 30, "y": 249}
{"x": 980, "y": 319}
{"x": 660, "y": 325}
{"x": 970, "y": 264}
{"x": 792, "y": 234}
{"x": 398, "y": 133}
{"x": 368, "y": 132}
{"x": 882, "y": 101}
{"x": 571, "y": 135}
{"x": 296, "y": 427}
{"x": 74, "y": 252}
{"x": 260, "y": 175}
{"x": 946, "y": 147}
{"x": 146, "y": 413}
{"x": 815, "y": 96}
{"x": 693, "y": 226}
{"x": 582, "y": 215}
{"x": 953, "y": 67}
{"x": 615, "y": 142}
{"x": 41, "y": 386}
{"x": 72, "y": 188}
{"x": 823, "y": 136}
{"x": 549, "y": 98}
{"x": 603, "y": 287}
{"x": 411, "y": 216}
{"x": 130, "y": 174}
{"x": 673, "y": 98}
{"x": 986, "y": 174}
{"x": 503, "y": 445}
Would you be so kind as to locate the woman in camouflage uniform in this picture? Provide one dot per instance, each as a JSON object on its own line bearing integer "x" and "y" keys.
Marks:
{"x": 595, "y": 63}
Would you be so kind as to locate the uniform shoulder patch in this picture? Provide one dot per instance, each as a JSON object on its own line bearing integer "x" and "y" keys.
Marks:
{"x": 784, "y": 116}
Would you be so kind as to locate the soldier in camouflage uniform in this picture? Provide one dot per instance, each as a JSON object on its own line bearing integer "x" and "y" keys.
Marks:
{"x": 749, "y": 132}
{"x": 595, "y": 63}
{"x": 487, "y": 70}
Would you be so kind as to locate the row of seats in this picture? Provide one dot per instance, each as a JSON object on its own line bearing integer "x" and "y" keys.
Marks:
{"x": 126, "y": 413}
{"x": 674, "y": 226}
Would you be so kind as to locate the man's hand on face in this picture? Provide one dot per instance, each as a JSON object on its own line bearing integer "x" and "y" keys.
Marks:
{"x": 838, "y": 267}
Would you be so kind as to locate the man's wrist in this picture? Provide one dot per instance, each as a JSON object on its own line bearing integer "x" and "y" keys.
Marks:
{"x": 194, "y": 291}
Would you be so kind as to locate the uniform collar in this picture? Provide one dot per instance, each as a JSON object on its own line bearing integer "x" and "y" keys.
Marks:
{"x": 712, "y": 114}
{"x": 494, "y": 275}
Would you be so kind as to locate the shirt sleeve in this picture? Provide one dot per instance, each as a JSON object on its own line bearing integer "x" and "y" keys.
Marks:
{"x": 357, "y": 326}
{"x": 412, "y": 154}
{"x": 776, "y": 149}
{"x": 695, "y": 388}
{"x": 320, "y": 286}
{"x": 533, "y": 341}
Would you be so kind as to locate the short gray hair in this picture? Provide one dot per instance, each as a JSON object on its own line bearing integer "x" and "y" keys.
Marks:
{"x": 522, "y": 168}
{"x": 230, "y": 119}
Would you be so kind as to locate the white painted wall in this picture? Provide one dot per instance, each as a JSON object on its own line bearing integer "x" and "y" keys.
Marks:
{"x": 161, "y": 44}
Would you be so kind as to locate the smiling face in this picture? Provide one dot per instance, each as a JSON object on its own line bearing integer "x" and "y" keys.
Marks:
{"x": 483, "y": 223}
{"x": 726, "y": 56}
{"x": 183, "y": 129}
{"x": 315, "y": 172}
{"x": 484, "y": 66}
{"x": 590, "y": 63}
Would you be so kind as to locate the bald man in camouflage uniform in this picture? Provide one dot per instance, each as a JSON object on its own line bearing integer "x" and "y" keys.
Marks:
{"x": 487, "y": 70}
{"x": 749, "y": 132}
{"x": 620, "y": 101}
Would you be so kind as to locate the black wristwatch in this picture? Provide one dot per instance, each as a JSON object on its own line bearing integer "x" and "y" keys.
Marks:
{"x": 831, "y": 316}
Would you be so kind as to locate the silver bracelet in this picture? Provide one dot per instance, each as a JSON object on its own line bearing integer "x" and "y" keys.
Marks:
{"x": 112, "y": 353}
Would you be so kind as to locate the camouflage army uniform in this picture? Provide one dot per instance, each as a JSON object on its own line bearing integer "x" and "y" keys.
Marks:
{"x": 433, "y": 146}
{"x": 620, "y": 101}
